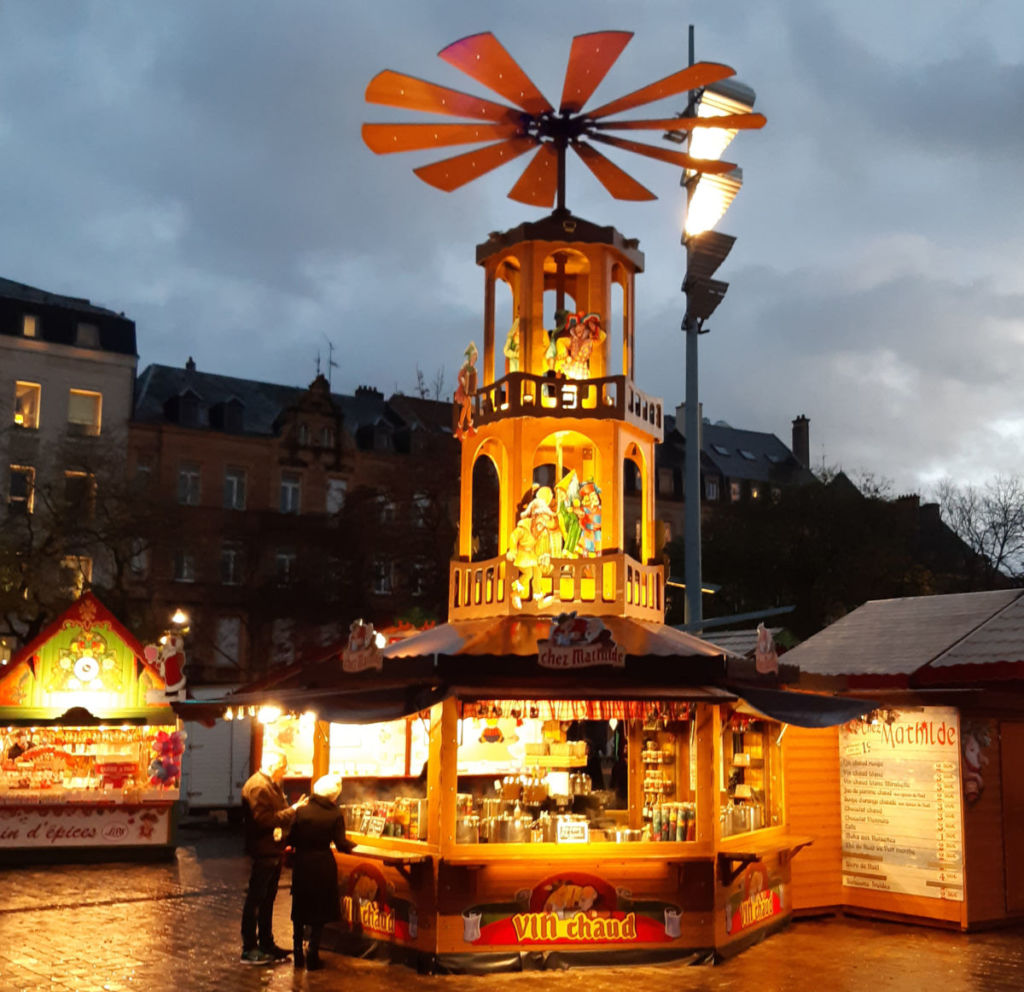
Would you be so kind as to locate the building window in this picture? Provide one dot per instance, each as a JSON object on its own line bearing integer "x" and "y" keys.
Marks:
{"x": 234, "y": 489}
{"x": 139, "y": 561}
{"x": 285, "y": 563}
{"x": 337, "y": 489}
{"x": 327, "y": 437}
{"x": 419, "y": 578}
{"x": 755, "y": 491}
{"x": 735, "y": 491}
{"x": 291, "y": 492}
{"x": 303, "y": 434}
{"x": 87, "y": 336}
{"x": 711, "y": 489}
{"x": 76, "y": 572}
{"x": 383, "y": 574}
{"x": 227, "y": 642}
{"x": 29, "y": 325}
{"x": 231, "y": 564}
{"x": 84, "y": 411}
{"x": 184, "y": 566}
{"x": 188, "y": 484}
{"x": 421, "y": 504}
{"x": 385, "y": 509}
{"x": 80, "y": 492}
{"x": 26, "y": 404}
{"x": 21, "y": 490}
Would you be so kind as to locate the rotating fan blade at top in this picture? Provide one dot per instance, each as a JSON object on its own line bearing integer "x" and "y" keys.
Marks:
{"x": 395, "y": 89}
{"x": 387, "y": 138}
{"x": 691, "y": 78}
{"x": 590, "y": 58}
{"x": 620, "y": 184}
{"x": 738, "y": 122}
{"x": 484, "y": 58}
{"x": 538, "y": 184}
{"x": 684, "y": 161}
{"x": 451, "y": 173}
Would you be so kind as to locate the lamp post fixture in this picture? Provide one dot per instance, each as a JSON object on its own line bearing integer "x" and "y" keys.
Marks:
{"x": 707, "y": 199}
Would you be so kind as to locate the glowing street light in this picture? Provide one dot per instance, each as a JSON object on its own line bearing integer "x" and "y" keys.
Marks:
{"x": 707, "y": 199}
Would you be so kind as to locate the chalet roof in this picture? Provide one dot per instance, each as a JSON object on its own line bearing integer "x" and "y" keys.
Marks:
{"x": 897, "y": 637}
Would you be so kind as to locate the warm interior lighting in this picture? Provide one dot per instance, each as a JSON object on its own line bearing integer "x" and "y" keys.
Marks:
{"x": 709, "y": 199}
{"x": 269, "y": 714}
{"x": 180, "y": 618}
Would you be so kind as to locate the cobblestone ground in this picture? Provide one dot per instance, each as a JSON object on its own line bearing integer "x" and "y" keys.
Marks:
{"x": 174, "y": 926}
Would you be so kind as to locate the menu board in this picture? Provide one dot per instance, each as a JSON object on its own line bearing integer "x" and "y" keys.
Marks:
{"x": 901, "y": 808}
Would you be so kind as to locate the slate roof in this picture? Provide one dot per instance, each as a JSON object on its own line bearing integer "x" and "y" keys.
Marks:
{"x": 263, "y": 402}
{"x": 896, "y": 637}
{"x": 740, "y": 454}
{"x": 58, "y": 317}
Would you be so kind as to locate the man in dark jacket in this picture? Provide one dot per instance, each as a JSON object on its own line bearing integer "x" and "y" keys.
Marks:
{"x": 268, "y": 818}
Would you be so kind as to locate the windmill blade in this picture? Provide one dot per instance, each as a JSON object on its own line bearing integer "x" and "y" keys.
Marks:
{"x": 737, "y": 122}
{"x": 691, "y": 78}
{"x": 684, "y": 161}
{"x": 387, "y": 138}
{"x": 484, "y": 58}
{"x": 395, "y": 89}
{"x": 451, "y": 173}
{"x": 620, "y": 184}
{"x": 590, "y": 58}
{"x": 538, "y": 184}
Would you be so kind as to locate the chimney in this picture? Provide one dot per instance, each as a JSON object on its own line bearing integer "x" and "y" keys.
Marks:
{"x": 681, "y": 417}
{"x": 190, "y": 365}
{"x": 802, "y": 440}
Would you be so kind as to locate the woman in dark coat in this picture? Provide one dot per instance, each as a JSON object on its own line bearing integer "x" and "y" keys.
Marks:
{"x": 315, "y": 899}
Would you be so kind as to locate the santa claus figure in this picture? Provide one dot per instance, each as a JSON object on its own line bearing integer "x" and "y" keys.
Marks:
{"x": 168, "y": 658}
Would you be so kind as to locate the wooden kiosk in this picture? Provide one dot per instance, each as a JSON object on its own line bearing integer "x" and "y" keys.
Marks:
{"x": 553, "y": 776}
{"x": 472, "y": 751}
{"x": 89, "y": 767}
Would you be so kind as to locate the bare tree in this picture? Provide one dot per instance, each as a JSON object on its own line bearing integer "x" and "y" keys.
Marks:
{"x": 989, "y": 519}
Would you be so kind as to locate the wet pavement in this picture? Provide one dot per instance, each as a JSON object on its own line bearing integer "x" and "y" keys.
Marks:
{"x": 175, "y": 926}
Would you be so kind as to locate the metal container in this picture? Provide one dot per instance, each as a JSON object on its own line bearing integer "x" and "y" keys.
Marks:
{"x": 623, "y": 836}
{"x": 493, "y": 807}
{"x": 511, "y": 830}
{"x": 467, "y": 830}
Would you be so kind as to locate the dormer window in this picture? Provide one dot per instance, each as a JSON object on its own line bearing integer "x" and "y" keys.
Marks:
{"x": 188, "y": 410}
{"x": 87, "y": 336}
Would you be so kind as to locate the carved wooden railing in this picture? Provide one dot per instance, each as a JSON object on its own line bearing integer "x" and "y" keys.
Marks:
{"x": 521, "y": 394}
{"x": 612, "y": 585}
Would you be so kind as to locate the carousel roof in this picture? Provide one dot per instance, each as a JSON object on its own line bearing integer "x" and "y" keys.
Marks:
{"x": 503, "y": 636}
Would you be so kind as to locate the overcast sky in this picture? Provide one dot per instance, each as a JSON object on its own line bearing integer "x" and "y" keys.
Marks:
{"x": 198, "y": 165}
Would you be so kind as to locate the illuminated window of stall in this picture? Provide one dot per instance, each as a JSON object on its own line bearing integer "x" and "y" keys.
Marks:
{"x": 76, "y": 572}
{"x": 735, "y": 491}
{"x": 26, "y": 405}
{"x": 292, "y": 736}
{"x": 751, "y": 769}
{"x": 29, "y": 325}
{"x": 21, "y": 489}
{"x": 85, "y": 409}
{"x": 384, "y": 766}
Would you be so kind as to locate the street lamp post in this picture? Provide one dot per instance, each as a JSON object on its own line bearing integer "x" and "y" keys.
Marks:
{"x": 707, "y": 199}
